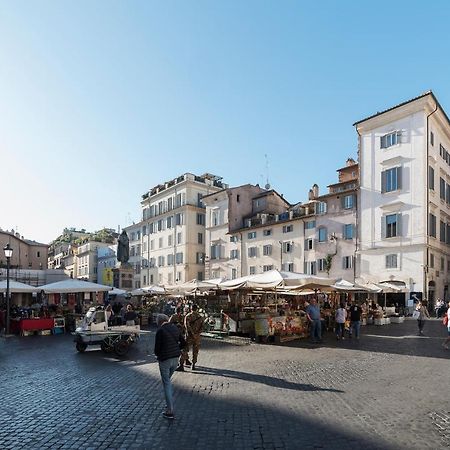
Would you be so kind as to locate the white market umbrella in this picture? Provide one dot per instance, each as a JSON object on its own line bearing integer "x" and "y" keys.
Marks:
{"x": 17, "y": 287}
{"x": 117, "y": 291}
{"x": 73, "y": 286}
{"x": 344, "y": 285}
{"x": 192, "y": 286}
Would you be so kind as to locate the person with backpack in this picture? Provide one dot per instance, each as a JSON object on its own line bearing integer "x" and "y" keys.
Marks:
{"x": 446, "y": 322}
{"x": 194, "y": 326}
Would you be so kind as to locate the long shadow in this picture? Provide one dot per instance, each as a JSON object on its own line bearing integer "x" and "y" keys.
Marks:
{"x": 263, "y": 379}
{"x": 399, "y": 339}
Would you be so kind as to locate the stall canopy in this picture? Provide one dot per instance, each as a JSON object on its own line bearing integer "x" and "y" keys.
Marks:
{"x": 117, "y": 291}
{"x": 72, "y": 286}
{"x": 193, "y": 286}
{"x": 153, "y": 289}
{"x": 344, "y": 285}
{"x": 273, "y": 279}
{"x": 16, "y": 287}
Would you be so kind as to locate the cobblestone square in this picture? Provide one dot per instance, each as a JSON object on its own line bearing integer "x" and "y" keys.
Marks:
{"x": 387, "y": 391}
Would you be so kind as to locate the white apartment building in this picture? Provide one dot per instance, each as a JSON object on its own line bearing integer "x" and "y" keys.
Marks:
{"x": 87, "y": 260}
{"x": 135, "y": 234}
{"x": 173, "y": 229}
{"x": 404, "y": 213}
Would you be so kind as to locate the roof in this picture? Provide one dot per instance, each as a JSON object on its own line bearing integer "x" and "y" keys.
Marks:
{"x": 271, "y": 191}
{"x": 406, "y": 103}
{"x": 347, "y": 167}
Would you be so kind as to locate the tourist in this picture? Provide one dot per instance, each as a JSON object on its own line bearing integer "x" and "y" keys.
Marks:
{"x": 422, "y": 316}
{"x": 313, "y": 315}
{"x": 355, "y": 319}
{"x": 447, "y": 341}
{"x": 340, "y": 317}
{"x": 168, "y": 343}
{"x": 194, "y": 326}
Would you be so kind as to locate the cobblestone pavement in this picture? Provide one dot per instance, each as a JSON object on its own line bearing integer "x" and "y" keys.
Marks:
{"x": 387, "y": 391}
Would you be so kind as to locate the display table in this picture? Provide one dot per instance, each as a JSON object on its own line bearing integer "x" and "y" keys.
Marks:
{"x": 19, "y": 326}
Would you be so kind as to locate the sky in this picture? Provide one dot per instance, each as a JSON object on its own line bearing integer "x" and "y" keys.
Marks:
{"x": 102, "y": 100}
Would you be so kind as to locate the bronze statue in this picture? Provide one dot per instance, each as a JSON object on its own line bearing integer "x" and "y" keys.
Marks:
{"x": 123, "y": 248}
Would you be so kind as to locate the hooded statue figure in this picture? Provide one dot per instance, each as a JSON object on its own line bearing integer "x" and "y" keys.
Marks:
{"x": 123, "y": 248}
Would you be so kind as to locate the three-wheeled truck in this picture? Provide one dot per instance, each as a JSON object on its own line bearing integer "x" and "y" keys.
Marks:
{"x": 94, "y": 330}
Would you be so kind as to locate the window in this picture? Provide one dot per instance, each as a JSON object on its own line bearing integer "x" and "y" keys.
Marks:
{"x": 431, "y": 138}
{"x": 133, "y": 236}
{"x": 251, "y": 235}
{"x": 169, "y": 204}
{"x": 170, "y": 278}
{"x": 252, "y": 270}
{"x": 322, "y": 234}
{"x": 215, "y": 218}
{"x": 200, "y": 258}
{"x": 169, "y": 222}
{"x": 201, "y": 219}
{"x": 160, "y": 261}
{"x": 179, "y": 238}
{"x": 348, "y": 201}
{"x": 38, "y": 254}
{"x": 252, "y": 252}
{"x": 151, "y": 228}
{"x": 138, "y": 250}
{"x": 347, "y": 262}
{"x": 321, "y": 263}
{"x": 179, "y": 219}
{"x": 442, "y": 188}
{"x": 160, "y": 225}
{"x": 310, "y": 225}
{"x": 430, "y": 178}
{"x": 233, "y": 274}
{"x": 442, "y": 229}
{"x": 160, "y": 241}
{"x": 200, "y": 238}
{"x": 287, "y": 247}
{"x": 432, "y": 260}
{"x": 152, "y": 262}
{"x": 391, "y": 179}
{"x": 144, "y": 230}
{"x": 390, "y": 225}
{"x": 238, "y": 197}
{"x": 348, "y": 231}
{"x": 447, "y": 234}
{"x": 215, "y": 251}
{"x": 170, "y": 240}
{"x": 170, "y": 260}
{"x": 199, "y": 200}
{"x": 267, "y": 250}
{"x": 234, "y": 254}
{"x": 308, "y": 244}
{"x": 391, "y": 261}
{"x": 138, "y": 235}
{"x": 200, "y": 276}
{"x": 152, "y": 244}
{"x": 432, "y": 223}
{"x": 288, "y": 228}
{"x": 442, "y": 263}
{"x": 132, "y": 251}
{"x": 179, "y": 258}
{"x": 233, "y": 238}
{"x": 321, "y": 208}
{"x": 267, "y": 232}
{"x": 310, "y": 267}
{"x": 390, "y": 139}
{"x": 267, "y": 267}
{"x": 179, "y": 276}
{"x": 288, "y": 267}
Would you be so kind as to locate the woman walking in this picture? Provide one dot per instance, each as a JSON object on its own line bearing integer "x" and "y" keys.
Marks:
{"x": 341, "y": 316}
{"x": 423, "y": 315}
{"x": 447, "y": 341}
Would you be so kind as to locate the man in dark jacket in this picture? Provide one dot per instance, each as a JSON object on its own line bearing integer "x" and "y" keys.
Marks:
{"x": 168, "y": 343}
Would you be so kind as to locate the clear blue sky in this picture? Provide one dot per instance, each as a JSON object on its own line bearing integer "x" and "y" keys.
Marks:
{"x": 101, "y": 100}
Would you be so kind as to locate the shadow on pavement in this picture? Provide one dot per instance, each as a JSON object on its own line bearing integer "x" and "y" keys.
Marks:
{"x": 262, "y": 379}
{"x": 399, "y": 339}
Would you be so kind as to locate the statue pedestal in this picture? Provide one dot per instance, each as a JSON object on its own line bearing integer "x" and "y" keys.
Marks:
{"x": 123, "y": 277}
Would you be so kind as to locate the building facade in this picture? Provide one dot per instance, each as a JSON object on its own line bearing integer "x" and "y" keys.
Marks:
{"x": 405, "y": 197}
{"x": 173, "y": 229}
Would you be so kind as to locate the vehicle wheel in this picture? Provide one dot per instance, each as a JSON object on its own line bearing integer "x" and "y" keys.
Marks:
{"x": 121, "y": 348}
{"x": 106, "y": 347}
{"x": 81, "y": 346}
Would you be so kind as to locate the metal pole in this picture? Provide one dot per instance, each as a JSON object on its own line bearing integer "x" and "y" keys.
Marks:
{"x": 7, "y": 295}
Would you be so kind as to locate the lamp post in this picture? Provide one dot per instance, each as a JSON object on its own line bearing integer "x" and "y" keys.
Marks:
{"x": 8, "y": 253}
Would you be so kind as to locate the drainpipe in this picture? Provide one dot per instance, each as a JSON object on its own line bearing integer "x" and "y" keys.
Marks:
{"x": 357, "y": 207}
{"x": 427, "y": 212}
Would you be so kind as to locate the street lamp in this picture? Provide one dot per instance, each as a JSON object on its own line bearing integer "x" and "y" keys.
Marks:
{"x": 8, "y": 253}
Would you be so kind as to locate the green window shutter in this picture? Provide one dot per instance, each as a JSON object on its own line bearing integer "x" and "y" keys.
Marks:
{"x": 399, "y": 177}
{"x": 383, "y": 227}
{"x": 383, "y": 182}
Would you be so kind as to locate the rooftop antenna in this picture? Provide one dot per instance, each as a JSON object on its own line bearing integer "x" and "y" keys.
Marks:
{"x": 267, "y": 186}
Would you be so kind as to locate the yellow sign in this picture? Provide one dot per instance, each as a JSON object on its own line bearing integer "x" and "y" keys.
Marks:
{"x": 107, "y": 277}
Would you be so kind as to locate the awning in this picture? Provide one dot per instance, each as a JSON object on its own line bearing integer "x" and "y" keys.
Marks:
{"x": 72, "y": 286}
{"x": 16, "y": 287}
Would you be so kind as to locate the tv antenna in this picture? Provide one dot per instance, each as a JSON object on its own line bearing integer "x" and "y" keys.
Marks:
{"x": 267, "y": 186}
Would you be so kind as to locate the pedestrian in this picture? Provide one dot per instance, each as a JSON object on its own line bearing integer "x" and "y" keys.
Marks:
{"x": 422, "y": 316}
{"x": 355, "y": 319}
{"x": 313, "y": 315}
{"x": 340, "y": 317}
{"x": 447, "y": 315}
{"x": 178, "y": 320}
{"x": 109, "y": 314}
{"x": 194, "y": 326}
{"x": 123, "y": 311}
{"x": 168, "y": 343}
{"x": 438, "y": 309}
{"x": 130, "y": 316}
